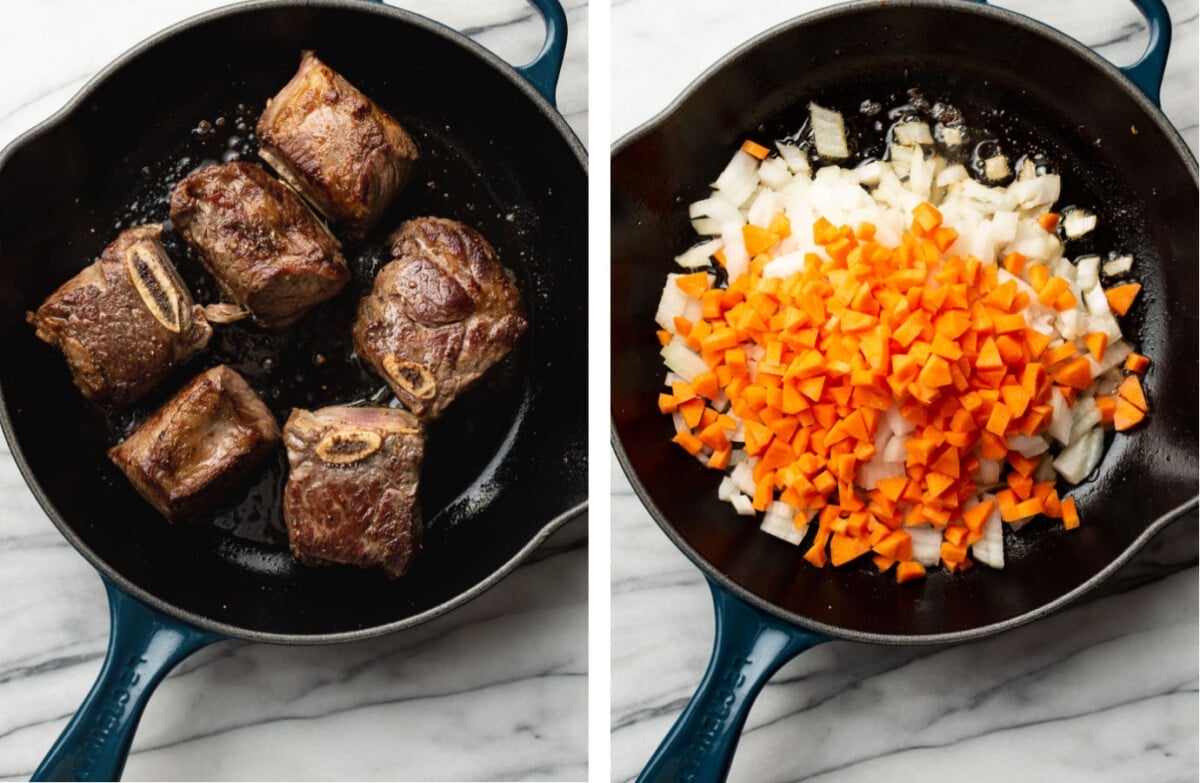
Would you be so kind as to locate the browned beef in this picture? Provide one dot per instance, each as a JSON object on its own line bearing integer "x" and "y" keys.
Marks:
{"x": 335, "y": 146}
{"x": 199, "y": 446}
{"x": 266, "y": 249}
{"x": 440, "y": 314}
{"x": 351, "y": 495}
{"x": 125, "y": 321}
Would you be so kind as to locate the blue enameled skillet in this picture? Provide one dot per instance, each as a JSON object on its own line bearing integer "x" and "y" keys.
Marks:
{"x": 505, "y": 466}
{"x": 1037, "y": 90}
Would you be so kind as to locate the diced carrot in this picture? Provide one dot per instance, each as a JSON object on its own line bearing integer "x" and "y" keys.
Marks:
{"x": 976, "y": 516}
{"x": 909, "y": 570}
{"x": 694, "y": 285}
{"x": 692, "y": 410}
{"x": 667, "y": 403}
{"x": 758, "y": 240}
{"x": 1108, "y": 408}
{"x": 1070, "y": 513}
{"x": 1135, "y": 362}
{"x": 1131, "y": 390}
{"x": 690, "y": 442}
{"x": 1097, "y": 343}
{"x": 1076, "y": 373}
{"x": 755, "y": 149}
{"x": 1126, "y": 415}
{"x": 1048, "y": 221}
{"x": 1120, "y": 298}
{"x": 926, "y": 218}
{"x": 844, "y": 548}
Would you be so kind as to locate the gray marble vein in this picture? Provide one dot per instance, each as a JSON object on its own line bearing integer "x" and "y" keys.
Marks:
{"x": 494, "y": 691}
{"x": 1104, "y": 691}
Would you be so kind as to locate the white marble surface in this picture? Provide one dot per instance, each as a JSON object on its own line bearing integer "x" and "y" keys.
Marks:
{"x": 494, "y": 691}
{"x": 1106, "y": 691}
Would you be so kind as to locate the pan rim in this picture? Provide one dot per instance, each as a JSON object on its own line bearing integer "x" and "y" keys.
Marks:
{"x": 1000, "y": 15}
{"x": 63, "y": 114}
{"x": 997, "y": 15}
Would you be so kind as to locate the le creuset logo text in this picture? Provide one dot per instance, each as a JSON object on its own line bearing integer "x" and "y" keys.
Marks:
{"x": 109, "y": 713}
{"x": 695, "y": 755}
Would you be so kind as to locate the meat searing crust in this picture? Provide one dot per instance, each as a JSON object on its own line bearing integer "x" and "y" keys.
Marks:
{"x": 363, "y": 512}
{"x": 266, "y": 249}
{"x": 444, "y": 305}
{"x": 198, "y": 445}
{"x": 116, "y": 350}
{"x": 335, "y": 146}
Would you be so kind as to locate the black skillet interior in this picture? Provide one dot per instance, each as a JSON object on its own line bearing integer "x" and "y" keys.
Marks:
{"x": 505, "y": 462}
{"x": 1033, "y": 96}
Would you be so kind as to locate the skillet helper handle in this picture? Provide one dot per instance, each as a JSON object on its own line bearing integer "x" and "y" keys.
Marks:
{"x": 143, "y": 646}
{"x": 750, "y": 646}
{"x": 1147, "y": 73}
{"x": 543, "y": 70}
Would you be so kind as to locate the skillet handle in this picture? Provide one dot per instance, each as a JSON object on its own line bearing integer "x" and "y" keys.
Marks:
{"x": 1147, "y": 73}
{"x": 542, "y": 71}
{"x": 143, "y": 646}
{"x": 750, "y": 646}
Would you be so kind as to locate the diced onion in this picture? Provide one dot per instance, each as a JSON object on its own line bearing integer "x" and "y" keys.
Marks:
{"x": 1081, "y": 457}
{"x": 1077, "y": 222}
{"x": 829, "y": 132}
{"x": 683, "y": 360}
{"x": 699, "y": 255}
{"x": 910, "y": 133}
{"x": 1118, "y": 266}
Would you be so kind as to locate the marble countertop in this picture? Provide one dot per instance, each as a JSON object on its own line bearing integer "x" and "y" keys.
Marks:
{"x": 496, "y": 690}
{"x": 1105, "y": 691}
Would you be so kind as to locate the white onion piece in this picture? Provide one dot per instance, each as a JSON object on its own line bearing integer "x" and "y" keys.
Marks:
{"x": 1060, "y": 420}
{"x": 718, "y": 208}
{"x": 743, "y": 477}
{"x": 1118, "y": 266}
{"x": 897, "y": 422}
{"x": 706, "y": 227}
{"x": 829, "y": 132}
{"x": 794, "y": 157}
{"x": 920, "y": 174}
{"x": 926, "y": 544}
{"x": 675, "y": 303}
{"x": 1045, "y": 469}
{"x": 774, "y": 173}
{"x": 1077, "y": 222}
{"x": 1004, "y": 227}
{"x": 766, "y": 205}
{"x": 951, "y": 137}
{"x": 989, "y": 550}
{"x": 739, "y": 178}
{"x": 742, "y": 505}
{"x": 1037, "y": 192}
{"x": 869, "y": 173}
{"x": 1028, "y": 445}
{"x": 910, "y": 133}
{"x": 699, "y": 255}
{"x": 726, "y": 488}
{"x": 952, "y": 174}
{"x": 1084, "y": 416}
{"x": 1087, "y": 272}
{"x": 1081, "y": 457}
{"x": 780, "y": 521}
{"x": 737, "y": 260}
{"x": 683, "y": 360}
{"x": 989, "y": 471}
{"x": 995, "y": 168}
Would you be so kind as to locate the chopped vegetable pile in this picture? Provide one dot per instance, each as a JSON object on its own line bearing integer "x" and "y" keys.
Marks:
{"x": 896, "y": 350}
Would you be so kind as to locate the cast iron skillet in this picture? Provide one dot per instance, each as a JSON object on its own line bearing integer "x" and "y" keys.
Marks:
{"x": 770, "y": 605}
{"x": 506, "y": 466}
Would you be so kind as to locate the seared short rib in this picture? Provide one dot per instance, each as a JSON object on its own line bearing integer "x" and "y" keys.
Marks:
{"x": 351, "y": 495}
{"x": 125, "y": 321}
{"x": 198, "y": 446}
{"x": 440, "y": 314}
{"x": 335, "y": 146}
{"x": 266, "y": 249}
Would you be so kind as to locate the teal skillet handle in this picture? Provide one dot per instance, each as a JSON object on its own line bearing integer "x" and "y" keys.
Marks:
{"x": 542, "y": 71}
{"x": 144, "y": 644}
{"x": 1147, "y": 73}
{"x": 750, "y": 646}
